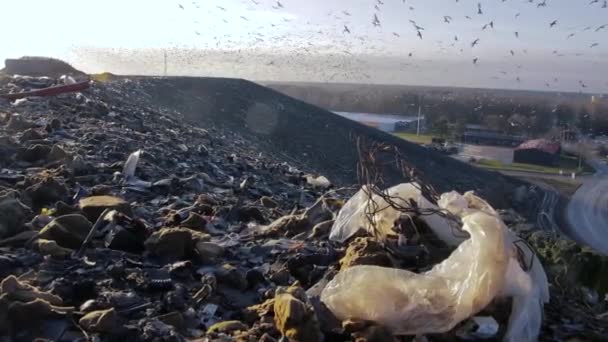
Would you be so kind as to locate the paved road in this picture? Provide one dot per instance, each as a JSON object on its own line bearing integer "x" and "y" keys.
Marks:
{"x": 587, "y": 211}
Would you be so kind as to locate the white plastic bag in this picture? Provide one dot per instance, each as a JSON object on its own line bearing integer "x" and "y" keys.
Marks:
{"x": 432, "y": 302}
{"x": 529, "y": 290}
{"x": 454, "y": 289}
{"x": 352, "y": 216}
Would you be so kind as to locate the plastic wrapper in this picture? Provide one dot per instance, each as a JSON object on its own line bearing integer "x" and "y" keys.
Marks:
{"x": 482, "y": 267}
{"x": 409, "y": 303}
{"x": 352, "y": 216}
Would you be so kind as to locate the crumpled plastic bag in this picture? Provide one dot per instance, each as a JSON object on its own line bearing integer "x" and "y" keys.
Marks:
{"x": 481, "y": 268}
{"x": 529, "y": 290}
{"x": 352, "y": 216}
{"x": 409, "y": 303}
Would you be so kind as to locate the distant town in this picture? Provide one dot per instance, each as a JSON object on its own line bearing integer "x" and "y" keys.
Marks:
{"x": 527, "y": 131}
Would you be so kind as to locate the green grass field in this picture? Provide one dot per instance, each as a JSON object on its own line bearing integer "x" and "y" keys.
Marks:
{"x": 418, "y": 139}
{"x": 568, "y": 164}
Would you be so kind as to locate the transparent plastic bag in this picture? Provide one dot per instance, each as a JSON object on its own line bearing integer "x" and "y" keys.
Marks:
{"x": 352, "y": 217}
{"x": 453, "y": 290}
{"x": 431, "y": 302}
{"x": 529, "y": 290}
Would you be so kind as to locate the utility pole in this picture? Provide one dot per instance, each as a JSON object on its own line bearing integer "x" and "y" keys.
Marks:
{"x": 165, "y": 62}
{"x": 419, "y": 113}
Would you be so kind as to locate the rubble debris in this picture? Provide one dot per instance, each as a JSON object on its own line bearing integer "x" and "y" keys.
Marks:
{"x": 294, "y": 316}
{"x": 52, "y": 248}
{"x": 93, "y": 206}
{"x": 13, "y": 289}
{"x": 46, "y": 189}
{"x": 39, "y": 67}
{"x": 227, "y": 327}
{"x": 174, "y": 243}
{"x": 67, "y": 231}
{"x": 102, "y": 321}
{"x": 13, "y": 215}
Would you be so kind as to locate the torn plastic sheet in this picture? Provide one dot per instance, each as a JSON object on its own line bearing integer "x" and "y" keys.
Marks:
{"x": 481, "y": 268}
{"x": 128, "y": 170}
{"x": 352, "y": 216}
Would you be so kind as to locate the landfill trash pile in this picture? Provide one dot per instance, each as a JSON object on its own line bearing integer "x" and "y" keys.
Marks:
{"x": 39, "y": 67}
{"x": 120, "y": 221}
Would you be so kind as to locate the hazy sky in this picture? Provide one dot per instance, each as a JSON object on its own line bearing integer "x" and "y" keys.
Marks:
{"x": 308, "y": 40}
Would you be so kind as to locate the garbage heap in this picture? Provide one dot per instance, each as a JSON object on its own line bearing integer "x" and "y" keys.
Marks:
{"x": 124, "y": 222}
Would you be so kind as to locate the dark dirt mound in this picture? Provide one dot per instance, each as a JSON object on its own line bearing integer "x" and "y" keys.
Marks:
{"x": 39, "y": 66}
{"x": 313, "y": 137}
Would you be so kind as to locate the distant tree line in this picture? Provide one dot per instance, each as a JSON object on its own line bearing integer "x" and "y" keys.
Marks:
{"x": 449, "y": 110}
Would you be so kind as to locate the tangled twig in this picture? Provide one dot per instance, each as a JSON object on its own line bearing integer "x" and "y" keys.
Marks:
{"x": 374, "y": 159}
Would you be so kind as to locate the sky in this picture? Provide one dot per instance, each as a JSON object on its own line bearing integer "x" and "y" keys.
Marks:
{"x": 324, "y": 40}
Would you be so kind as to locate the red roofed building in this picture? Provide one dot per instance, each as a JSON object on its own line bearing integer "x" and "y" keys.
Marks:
{"x": 537, "y": 151}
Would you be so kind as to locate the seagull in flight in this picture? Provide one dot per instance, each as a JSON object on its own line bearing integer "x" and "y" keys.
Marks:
{"x": 475, "y": 42}
{"x": 479, "y": 11}
{"x": 516, "y": 34}
{"x": 553, "y": 23}
{"x": 346, "y": 29}
{"x": 419, "y": 34}
{"x": 601, "y": 27}
{"x": 594, "y": 45}
{"x": 475, "y": 60}
{"x": 180, "y": 6}
{"x": 570, "y": 35}
{"x": 447, "y": 18}
{"x": 376, "y": 21}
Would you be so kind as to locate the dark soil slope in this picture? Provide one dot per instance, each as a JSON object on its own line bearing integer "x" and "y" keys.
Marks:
{"x": 39, "y": 66}
{"x": 314, "y": 138}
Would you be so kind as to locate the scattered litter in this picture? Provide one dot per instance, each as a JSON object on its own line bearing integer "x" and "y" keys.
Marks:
{"x": 479, "y": 327}
{"x": 319, "y": 182}
{"x": 128, "y": 170}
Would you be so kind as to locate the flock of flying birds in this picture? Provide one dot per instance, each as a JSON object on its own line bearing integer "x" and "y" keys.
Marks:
{"x": 308, "y": 42}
